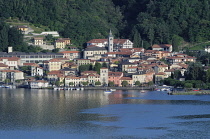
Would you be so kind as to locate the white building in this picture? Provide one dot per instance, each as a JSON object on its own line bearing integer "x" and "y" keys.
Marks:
{"x": 38, "y": 84}
{"x": 53, "y": 33}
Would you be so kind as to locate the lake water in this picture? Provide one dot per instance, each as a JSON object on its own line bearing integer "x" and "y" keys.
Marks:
{"x": 91, "y": 114}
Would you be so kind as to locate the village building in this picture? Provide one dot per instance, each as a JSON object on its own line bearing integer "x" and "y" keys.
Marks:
{"x": 94, "y": 53}
{"x": 160, "y": 76}
{"x": 115, "y": 77}
{"x": 180, "y": 58}
{"x": 162, "y": 47}
{"x": 75, "y": 81}
{"x": 38, "y": 84}
{"x": 11, "y": 75}
{"x": 38, "y": 41}
{"x": 11, "y": 62}
{"x": 67, "y": 41}
{"x": 54, "y": 64}
{"x": 53, "y": 33}
{"x": 22, "y": 28}
{"x": 104, "y": 72}
{"x": 71, "y": 55}
{"x": 129, "y": 80}
{"x": 3, "y": 66}
{"x": 32, "y": 57}
{"x": 83, "y": 61}
{"x": 60, "y": 44}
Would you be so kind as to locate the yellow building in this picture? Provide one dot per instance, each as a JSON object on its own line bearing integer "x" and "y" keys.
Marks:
{"x": 60, "y": 44}
{"x": 54, "y": 64}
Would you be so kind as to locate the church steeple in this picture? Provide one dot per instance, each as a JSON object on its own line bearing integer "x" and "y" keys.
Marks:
{"x": 110, "y": 41}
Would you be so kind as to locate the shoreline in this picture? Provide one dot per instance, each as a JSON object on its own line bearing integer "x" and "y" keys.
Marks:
{"x": 204, "y": 92}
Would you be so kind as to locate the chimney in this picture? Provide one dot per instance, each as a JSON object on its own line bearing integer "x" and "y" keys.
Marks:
{"x": 10, "y": 49}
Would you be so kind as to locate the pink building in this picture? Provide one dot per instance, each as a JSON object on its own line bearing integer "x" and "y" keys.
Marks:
{"x": 115, "y": 77}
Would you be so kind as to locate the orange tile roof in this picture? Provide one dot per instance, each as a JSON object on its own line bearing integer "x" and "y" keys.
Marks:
{"x": 10, "y": 58}
{"x": 161, "y": 73}
{"x": 3, "y": 65}
{"x": 69, "y": 52}
{"x": 54, "y": 60}
{"x": 161, "y": 45}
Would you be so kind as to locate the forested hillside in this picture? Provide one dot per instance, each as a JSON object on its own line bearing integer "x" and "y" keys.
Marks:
{"x": 147, "y": 21}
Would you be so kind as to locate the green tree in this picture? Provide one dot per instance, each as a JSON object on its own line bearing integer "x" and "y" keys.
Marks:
{"x": 111, "y": 84}
{"x": 97, "y": 67}
{"x": 97, "y": 83}
{"x": 7, "y": 81}
{"x": 85, "y": 83}
{"x": 104, "y": 65}
{"x": 124, "y": 83}
{"x": 137, "y": 83}
{"x": 84, "y": 68}
{"x": 136, "y": 39}
{"x": 176, "y": 42}
{"x": 150, "y": 83}
{"x": 188, "y": 85}
{"x": 57, "y": 83}
{"x": 71, "y": 83}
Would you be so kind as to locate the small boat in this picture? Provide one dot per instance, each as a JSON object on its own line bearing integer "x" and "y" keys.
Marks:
{"x": 112, "y": 89}
{"x": 142, "y": 91}
{"x": 107, "y": 91}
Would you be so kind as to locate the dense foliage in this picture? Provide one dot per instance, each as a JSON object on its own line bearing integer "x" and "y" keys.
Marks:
{"x": 11, "y": 36}
{"x": 195, "y": 76}
{"x": 145, "y": 22}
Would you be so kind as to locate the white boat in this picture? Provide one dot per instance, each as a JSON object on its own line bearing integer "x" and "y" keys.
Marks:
{"x": 107, "y": 91}
{"x": 142, "y": 91}
{"x": 112, "y": 89}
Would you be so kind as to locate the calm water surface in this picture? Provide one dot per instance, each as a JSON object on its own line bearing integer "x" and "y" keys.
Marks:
{"x": 48, "y": 114}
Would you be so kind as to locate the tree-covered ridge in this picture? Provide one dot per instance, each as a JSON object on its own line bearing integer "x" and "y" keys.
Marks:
{"x": 81, "y": 20}
{"x": 147, "y": 21}
{"x": 159, "y": 21}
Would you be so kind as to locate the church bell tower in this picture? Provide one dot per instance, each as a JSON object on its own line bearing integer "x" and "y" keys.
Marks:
{"x": 110, "y": 42}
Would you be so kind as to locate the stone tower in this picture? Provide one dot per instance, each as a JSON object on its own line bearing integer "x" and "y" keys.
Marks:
{"x": 110, "y": 42}
{"x": 104, "y": 76}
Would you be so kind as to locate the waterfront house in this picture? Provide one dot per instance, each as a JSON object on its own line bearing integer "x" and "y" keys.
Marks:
{"x": 11, "y": 75}
{"x": 53, "y": 76}
{"x": 115, "y": 77}
{"x": 72, "y": 80}
{"x": 139, "y": 77}
{"x": 129, "y": 80}
{"x": 38, "y": 84}
{"x": 159, "y": 77}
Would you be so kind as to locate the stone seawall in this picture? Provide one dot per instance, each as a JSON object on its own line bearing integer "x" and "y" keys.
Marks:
{"x": 117, "y": 88}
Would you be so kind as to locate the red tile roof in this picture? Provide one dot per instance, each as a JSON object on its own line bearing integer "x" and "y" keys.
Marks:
{"x": 69, "y": 52}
